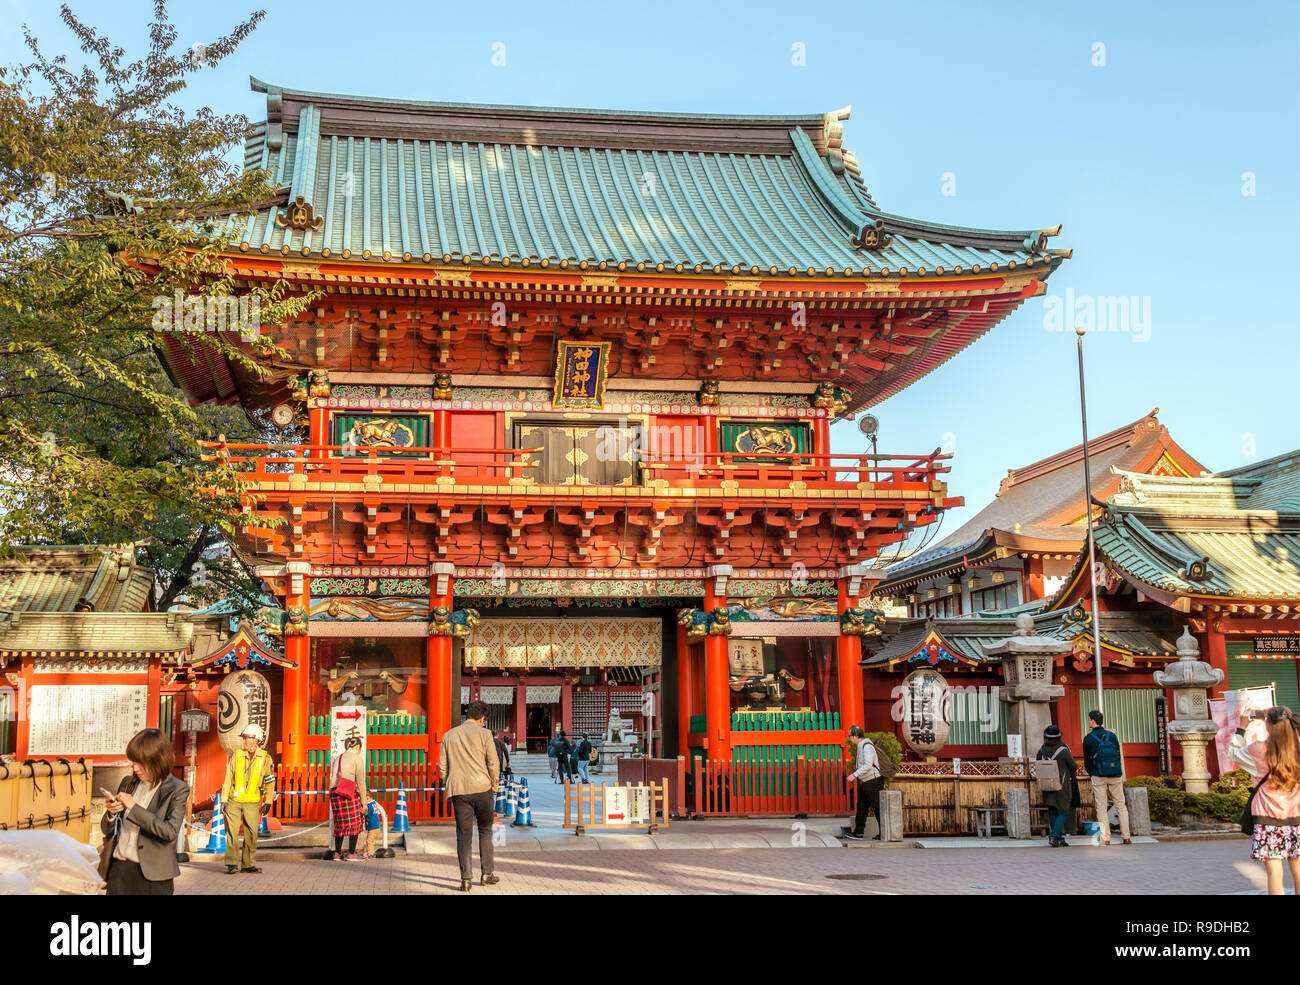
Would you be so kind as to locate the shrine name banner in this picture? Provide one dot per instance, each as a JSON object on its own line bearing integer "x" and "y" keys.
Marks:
{"x": 86, "y": 719}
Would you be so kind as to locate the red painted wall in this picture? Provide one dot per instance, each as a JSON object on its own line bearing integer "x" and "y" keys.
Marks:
{"x": 474, "y": 430}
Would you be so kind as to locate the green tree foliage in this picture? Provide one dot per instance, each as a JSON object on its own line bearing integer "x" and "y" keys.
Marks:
{"x": 112, "y": 197}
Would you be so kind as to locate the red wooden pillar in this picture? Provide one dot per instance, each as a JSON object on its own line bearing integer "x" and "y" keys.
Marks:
{"x": 318, "y": 425}
{"x": 717, "y": 694}
{"x": 441, "y": 437}
{"x": 155, "y": 693}
{"x": 1215, "y": 652}
{"x": 23, "y": 709}
{"x": 1033, "y": 579}
{"x": 566, "y": 705}
{"x": 685, "y": 687}
{"x": 437, "y": 658}
{"x": 848, "y": 652}
{"x": 297, "y": 692}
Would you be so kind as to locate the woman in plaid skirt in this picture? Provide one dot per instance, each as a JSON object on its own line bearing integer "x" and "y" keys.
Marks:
{"x": 348, "y": 799}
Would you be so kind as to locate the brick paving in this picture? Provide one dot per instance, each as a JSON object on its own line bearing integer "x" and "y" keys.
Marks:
{"x": 1209, "y": 867}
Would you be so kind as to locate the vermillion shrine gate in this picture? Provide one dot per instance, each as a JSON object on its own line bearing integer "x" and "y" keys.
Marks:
{"x": 557, "y": 429}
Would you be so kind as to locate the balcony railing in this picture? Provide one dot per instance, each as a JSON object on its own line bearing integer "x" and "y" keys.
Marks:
{"x": 261, "y": 463}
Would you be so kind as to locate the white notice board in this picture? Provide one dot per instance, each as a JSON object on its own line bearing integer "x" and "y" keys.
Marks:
{"x": 86, "y": 719}
{"x": 617, "y": 805}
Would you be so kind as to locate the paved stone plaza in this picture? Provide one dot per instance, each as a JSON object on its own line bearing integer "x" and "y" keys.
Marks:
{"x": 1194, "y": 867}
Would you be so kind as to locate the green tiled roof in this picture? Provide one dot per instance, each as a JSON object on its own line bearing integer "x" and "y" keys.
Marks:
{"x": 1230, "y": 535}
{"x": 55, "y": 579}
{"x": 398, "y": 181}
{"x": 93, "y": 633}
{"x": 1138, "y": 633}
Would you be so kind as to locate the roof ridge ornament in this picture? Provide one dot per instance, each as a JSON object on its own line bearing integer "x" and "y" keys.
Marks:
{"x": 298, "y": 214}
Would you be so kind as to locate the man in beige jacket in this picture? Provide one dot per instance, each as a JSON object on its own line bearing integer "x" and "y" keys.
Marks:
{"x": 469, "y": 767}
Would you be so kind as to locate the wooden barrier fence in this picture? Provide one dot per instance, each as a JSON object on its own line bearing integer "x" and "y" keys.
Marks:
{"x": 800, "y": 788}
{"x": 303, "y": 792}
{"x": 584, "y": 807}
{"x": 46, "y": 796}
{"x": 935, "y": 795}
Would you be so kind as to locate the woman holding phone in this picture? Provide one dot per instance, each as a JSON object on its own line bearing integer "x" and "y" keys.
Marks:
{"x": 1274, "y": 762}
{"x": 143, "y": 820}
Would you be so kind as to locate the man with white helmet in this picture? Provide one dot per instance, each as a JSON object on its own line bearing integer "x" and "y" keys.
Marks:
{"x": 246, "y": 795}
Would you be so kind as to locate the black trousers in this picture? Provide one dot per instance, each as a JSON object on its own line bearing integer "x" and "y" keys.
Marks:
{"x": 868, "y": 796}
{"x": 126, "y": 879}
{"x": 473, "y": 809}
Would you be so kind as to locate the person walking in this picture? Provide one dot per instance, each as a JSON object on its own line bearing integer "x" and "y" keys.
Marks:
{"x": 143, "y": 821}
{"x": 502, "y": 745}
{"x": 561, "y": 746}
{"x": 1103, "y": 761}
{"x": 870, "y": 782}
{"x": 551, "y": 761}
{"x": 1059, "y": 802}
{"x": 348, "y": 800}
{"x": 246, "y": 794}
{"x": 469, "y": 767}
{"x": 1273, "y": 759}
{"x": 573, "y": 762}
{"x": 584, "y": 759}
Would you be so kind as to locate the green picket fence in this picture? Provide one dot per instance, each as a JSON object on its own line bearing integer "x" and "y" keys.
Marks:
{"x": 377, "y": 723}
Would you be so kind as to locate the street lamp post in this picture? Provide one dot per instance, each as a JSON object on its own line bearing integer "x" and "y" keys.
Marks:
{"x": 1087, "y": 512}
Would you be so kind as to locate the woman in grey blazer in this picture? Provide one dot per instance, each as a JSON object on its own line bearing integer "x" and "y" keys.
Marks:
{"x": 144, "y": 819}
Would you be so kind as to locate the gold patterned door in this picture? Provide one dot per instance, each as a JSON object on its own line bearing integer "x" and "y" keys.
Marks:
{"x": 596, "y": 453}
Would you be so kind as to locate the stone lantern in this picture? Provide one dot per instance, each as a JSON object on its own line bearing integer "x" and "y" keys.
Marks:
{"x": 1027, "y": 662}
{"x": 1191, "y": 727}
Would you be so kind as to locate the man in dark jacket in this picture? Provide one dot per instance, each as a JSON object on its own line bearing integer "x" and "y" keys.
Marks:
{"x": 584, "y": 759}
{"x": 1059, "y": 802}
{"x": 562, "y": 750}
{"x": 1103, "y": 762}
{"x": 502, "y": 744}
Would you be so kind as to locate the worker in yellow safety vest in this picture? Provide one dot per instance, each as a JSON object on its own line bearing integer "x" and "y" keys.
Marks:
{"x": 246, "y": 794}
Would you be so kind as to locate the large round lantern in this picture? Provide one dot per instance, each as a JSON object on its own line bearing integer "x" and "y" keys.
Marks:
{"x": 926, "y": 710}
{"x": 244, "y": 699}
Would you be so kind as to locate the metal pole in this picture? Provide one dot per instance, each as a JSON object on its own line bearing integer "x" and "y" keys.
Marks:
{"x": 1087, "y": 512}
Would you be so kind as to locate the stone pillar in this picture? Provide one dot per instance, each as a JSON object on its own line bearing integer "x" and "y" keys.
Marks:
{"x": 1139, "y": 810}
{"x": 891, "y": 815}
{"x": 1189, "y": 678}
{"x": 717, "y": 693}
{"x": 1028, "y": 661}
{"x": 1018, "y": 816}
{"x": 848, "y": 650}
{"x": 297, "y": 648}
{"x": 437, "y": 663}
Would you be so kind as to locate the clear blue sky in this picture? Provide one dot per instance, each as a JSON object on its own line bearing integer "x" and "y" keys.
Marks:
{"x": 1141, "y": 160}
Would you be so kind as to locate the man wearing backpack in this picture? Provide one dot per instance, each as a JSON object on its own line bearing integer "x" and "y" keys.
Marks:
{"x": 870, "y": 781}
{"x": 1104, "y": 763}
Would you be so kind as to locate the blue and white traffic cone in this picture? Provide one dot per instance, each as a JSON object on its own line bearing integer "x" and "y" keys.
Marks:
{"x": 512, "y": 797}
{"x": 217, "y": 839}
{"x": 263, "y": 827}
{"x": 499, "y": 804}
{"x": 401, "y": 823}
{"x": 524, "y": 816}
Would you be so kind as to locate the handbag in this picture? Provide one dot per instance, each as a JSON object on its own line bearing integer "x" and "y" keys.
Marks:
{"x": 1247, "y": 815}
{"x": 108, "y": 847}
{"x": 343, "y": 786}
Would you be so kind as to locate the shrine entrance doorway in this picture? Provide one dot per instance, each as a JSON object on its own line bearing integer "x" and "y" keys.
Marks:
{"x": 539, "y": 726}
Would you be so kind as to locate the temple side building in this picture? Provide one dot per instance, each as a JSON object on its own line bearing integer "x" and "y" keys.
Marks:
{"x": 1021, "y": 546}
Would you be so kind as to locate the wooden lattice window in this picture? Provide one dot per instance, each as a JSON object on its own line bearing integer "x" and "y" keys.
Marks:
{"x": 594, "y": 453}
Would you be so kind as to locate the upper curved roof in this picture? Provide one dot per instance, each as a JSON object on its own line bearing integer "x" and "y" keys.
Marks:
{"x": 399, "y": 180}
